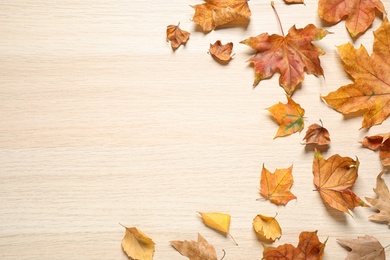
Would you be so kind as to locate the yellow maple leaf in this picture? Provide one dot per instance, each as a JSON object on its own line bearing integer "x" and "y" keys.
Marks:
{"x": 137, "y": 245}
{"x": 267, "y": 227}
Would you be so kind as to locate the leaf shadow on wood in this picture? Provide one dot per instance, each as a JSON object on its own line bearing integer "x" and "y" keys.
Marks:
{"x": 337, "y": 215}
{"x": 221, "y": 62}
{"x": 263, "y": 240}
{"x": 312, "y": 147}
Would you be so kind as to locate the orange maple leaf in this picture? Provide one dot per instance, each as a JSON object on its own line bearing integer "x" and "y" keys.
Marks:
{"x": 276, "y": 187}
{"x": 309, "y": 248}
{"x": 221, "y": 51}
{"x": 371, "y": 91}
{"x": 214, "y": 13}
{"x": 177, "y": 36}
{"x": 360, "y": 14}
{"x": 381, "y": 142}
{"x": 290, "y": 55}
{"x": 333, "y": 177}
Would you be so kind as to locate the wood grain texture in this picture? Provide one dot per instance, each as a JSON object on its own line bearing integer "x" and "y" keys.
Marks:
{"x": 101, "y": 123}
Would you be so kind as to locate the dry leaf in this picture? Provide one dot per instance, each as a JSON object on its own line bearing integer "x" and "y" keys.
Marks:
{"x": 367, "y": 248}
{"x": 200, "y": 250}
{"x": 371, "y": 92}
{"x": 221, "y": 52}
{"x": 276, "y": 187}
{"x": 218, "y": 221}
{"x": 381, "y": 142}
{"x": 359, "y": 14}
{"x": 137, "y": 245}
{"x": 177, "y": 36}
{"x": 294, "y": 1}
{"x": 382, "y": 203}
{"x": 309, "y": 248}
{"x": 317, "y": 134}
{"x": 290, "y": 55}
{"x": 333, "y": 178}
{"x": 289, "y": 116}
{"x": 214, "y": 13}
{"x": 267, "y": 227}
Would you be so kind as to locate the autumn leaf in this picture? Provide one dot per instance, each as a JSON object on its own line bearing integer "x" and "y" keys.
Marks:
{"x": 367, "y": 248}
{"x": 137, "y": 245}
{"x": 359, "y": 14}
{"x": 309, "y": 248}
{"x": 294, "y": 1}
{"x": 317, "y": 134}
{"x": 214, "y": 13}
{"x": 381, "y": 142}
{"x": 221, "y": 51}
{"x": 196, "y": 250}
{"x": 333, "y": 177}
{"x": 177, "y": 36}
{"x": 371, "y": 91}
{"x": 382, "y": 203}
{"x": 276, "y": 187}
{"x": 218, "y": 221}
{"x": 289, "y": 116}
{"x": 267, "y": 227}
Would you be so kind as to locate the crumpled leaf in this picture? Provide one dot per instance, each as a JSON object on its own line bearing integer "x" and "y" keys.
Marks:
{"x": 290, "y": 55}
{"x": 367, "y": 248}
{"x": 267, "y": 227}
{"x": 309, "y": 248}
{"x": 289, "y": 117}
{"x": 196, "y": 250}
{"x": 371, "y": 91}
{"x": 317, "y": 134}
{"x": 137, "y": 245}
{"x": 177, "y": 36}
{"x": 221, "y": 51}
{"x": 359, "y": 14}
{"x": 214, "y": 13}
{"x": 333, "y": 177}
{"x": 382, "y": 203}
{"x": 381, "y": 142}
{"x": 276, "y": 187}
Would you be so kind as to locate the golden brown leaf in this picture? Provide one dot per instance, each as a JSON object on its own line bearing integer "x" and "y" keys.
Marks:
{"x": 177, "y": 36}
{"x": 317, "y": 134}
{"x": 276, "y": 187}
{"x": 289, "y": 116}
{"x": 290, "y": 55}
{"x": 382, "y": 203}
{"x": 267, "y": 227}
{"x": 214, "y": 13}
{"x": 371, "y": 91}
{"x": 333, "y": 177}
{"x": 359, "y": 14}
{"x": 309, "y": 248}
{"x": 137, "y": 245}
{"x": 381, "y": 142}
{"x": 200, "y": 250}
{"x": 221, "y": 51}
{"x": 367, "y": 248}
{"x": 294, "y": 1}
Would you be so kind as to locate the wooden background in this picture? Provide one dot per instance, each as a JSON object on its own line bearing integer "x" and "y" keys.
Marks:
{"x": 102, "y": 123}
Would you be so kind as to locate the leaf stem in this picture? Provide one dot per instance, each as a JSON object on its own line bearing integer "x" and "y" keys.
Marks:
{"x": 232, "y": 238}
{"x": 277, "y": 16}
{"x": 224, "y": 253}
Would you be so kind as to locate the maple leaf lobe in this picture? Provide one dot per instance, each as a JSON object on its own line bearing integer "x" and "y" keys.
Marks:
{"x": 382, "y": 203}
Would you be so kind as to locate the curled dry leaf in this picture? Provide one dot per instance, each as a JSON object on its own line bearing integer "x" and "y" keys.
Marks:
{"x": 214, "y": 13}
{"x": 137, "y": 245}
{"x": 382, "y": 203}
{"x": 381, "y": 142}
{"x": 333, "y": 177}
{"x": 276, "y": 187}
{"x": 267, "y": 227}
{"x": 371, "y": 92}
{"x": 221, "y": 51}
{"x": 367, "y": 248}
{"x": 177, "y": 36}
{"x": 196, "y": 250}
{"x": 289, "y": 117}
{"x": 309, "y": 248}
{"x": 359, "y": 14}
{"x": 317, "y": 134}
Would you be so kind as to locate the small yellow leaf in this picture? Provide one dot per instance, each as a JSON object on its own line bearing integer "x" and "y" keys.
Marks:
{"x": 137, "y": 245}
{"x": 267, "y": 227}
{"x": 218, "y": 221}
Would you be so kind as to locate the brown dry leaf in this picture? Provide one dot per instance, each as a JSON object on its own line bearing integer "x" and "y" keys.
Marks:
{"x": 137, "y": 245}
{"x": 221, "y": 52}
{"x": 177, "y": 36}
{"x": 333, "y": 178}
{"x": 196, "y": 250}
{"x": 214, "y": 13}
{"x": 317, "y": 134}
{"x": 382, "y": 203}
{"x": 267, "y": 227}
{"x": 367, "y": 248}
{"x": 276, "y": 187}
{"x": 381, "y": 142}
{"x": 294, "y": 1}
{"x": 309, "y": 248}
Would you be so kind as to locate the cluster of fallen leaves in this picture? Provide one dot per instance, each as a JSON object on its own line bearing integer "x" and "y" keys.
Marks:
{"x": 292, "y": 56}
